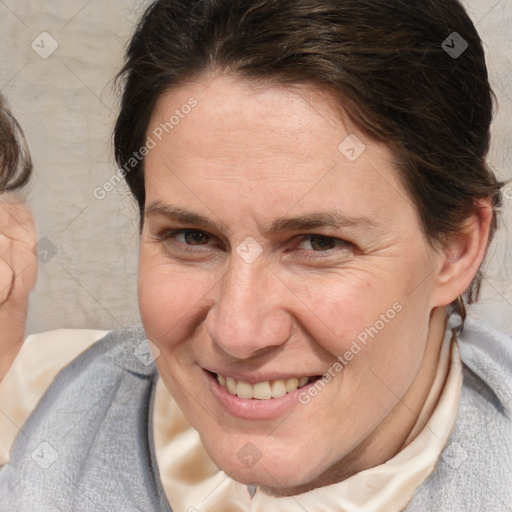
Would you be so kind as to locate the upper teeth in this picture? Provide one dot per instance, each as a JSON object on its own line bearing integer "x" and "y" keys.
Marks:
{"x": 261, "y": 390}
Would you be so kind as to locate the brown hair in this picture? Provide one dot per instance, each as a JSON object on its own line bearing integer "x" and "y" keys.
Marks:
{"x": 15, "y": 161}
{"x": 388, "y": 64}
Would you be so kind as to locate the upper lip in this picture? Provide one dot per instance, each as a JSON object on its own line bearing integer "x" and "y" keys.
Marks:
{"x": 254, "y": 378}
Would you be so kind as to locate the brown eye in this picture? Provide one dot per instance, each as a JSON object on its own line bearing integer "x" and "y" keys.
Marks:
{"x": 322, "y": 243}
{"x": 195, "y": 237}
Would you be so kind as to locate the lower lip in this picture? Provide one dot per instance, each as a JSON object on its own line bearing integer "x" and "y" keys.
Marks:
{"x": 254, "y": 409}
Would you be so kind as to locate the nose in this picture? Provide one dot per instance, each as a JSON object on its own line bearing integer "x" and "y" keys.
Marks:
{"x": 249, "y": 315}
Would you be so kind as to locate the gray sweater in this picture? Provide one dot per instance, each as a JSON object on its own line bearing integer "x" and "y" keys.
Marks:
{"x": 88, "y": 445}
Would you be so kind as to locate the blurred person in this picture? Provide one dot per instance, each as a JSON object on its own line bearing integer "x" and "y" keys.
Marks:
{"x": 18, "y": 266}
{"x": 18, "y": 273}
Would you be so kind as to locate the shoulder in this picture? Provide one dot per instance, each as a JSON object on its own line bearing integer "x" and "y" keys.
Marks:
{"x": 487, "y": 354}
{"x": 94, "y": 426}
{"x": 40, "y": 359}
{"x": 118, "y": 352}
{"x": 474, "y": 471}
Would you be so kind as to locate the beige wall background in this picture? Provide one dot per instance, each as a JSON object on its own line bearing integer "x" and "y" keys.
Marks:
{"x": 58, "y": 59}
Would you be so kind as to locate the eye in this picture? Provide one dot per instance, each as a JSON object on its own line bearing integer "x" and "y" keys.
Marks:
{"x": 190, "y": 237}
{"x": 319, "y": 243}
{"x": 189, "y": 246}
{"x": 181, "y": 240}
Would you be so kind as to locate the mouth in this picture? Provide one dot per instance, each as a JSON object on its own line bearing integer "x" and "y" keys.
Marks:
{"x": 265, "y": 390}
{"x": 257, "y": 400}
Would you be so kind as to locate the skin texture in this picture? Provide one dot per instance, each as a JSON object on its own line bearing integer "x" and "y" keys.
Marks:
{"x": 18, "y": 272}
{"x": 246, "y": 157}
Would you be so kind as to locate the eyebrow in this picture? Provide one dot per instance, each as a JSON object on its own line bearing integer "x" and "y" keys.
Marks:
{"x": 333, "y": 219}
{"x": 179, "y": 214}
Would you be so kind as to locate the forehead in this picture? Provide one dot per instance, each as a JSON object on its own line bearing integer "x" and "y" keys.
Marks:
{"x": 280, "y": 142}
{"x": 265, "y": 122}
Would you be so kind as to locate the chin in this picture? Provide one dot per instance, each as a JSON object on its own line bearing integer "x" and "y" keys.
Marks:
{"x": 279, "y": 474}
{"x": 274, "y": 480}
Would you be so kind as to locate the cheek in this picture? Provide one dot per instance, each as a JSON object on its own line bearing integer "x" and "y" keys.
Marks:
{"x": 376, "y": 337}
{"x": 171, "y": 297}
{"x": 370, "y": 322}
{"x": 337, "y": 308}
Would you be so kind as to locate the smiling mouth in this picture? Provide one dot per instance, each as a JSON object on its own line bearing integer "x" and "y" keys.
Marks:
{"x": 263, "y": 390}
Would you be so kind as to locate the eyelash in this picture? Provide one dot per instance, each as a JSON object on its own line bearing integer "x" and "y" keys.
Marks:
{"x": 169, "y": 237}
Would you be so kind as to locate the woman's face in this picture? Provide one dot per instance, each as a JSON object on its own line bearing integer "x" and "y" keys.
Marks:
{"x": 18, "y": 272}
{"x": 279, "y": 246}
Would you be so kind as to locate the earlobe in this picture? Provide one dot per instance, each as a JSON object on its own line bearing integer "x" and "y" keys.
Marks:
{"x": 463, "y": 254}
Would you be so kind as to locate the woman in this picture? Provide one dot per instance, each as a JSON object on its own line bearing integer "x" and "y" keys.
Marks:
{"x": 17, "y": 238}
{"x": 314, "y": 204}
{"x": 18, "y": 271}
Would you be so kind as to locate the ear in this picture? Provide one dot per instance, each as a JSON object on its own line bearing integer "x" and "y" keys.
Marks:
{"x": 463, "y": 254}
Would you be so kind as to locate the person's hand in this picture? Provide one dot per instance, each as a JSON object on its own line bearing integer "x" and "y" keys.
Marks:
{"x": 18, "y": 271}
